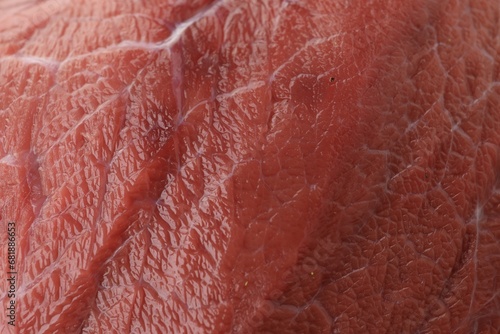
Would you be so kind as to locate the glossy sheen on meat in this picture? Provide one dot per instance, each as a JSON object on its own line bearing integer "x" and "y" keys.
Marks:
{"x": 251, "y": 166}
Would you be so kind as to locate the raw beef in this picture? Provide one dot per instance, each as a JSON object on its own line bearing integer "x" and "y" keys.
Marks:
{"x": 264, "y": 166}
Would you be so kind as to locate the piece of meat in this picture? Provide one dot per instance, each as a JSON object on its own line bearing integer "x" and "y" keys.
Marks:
{"x": 251, "y": 166}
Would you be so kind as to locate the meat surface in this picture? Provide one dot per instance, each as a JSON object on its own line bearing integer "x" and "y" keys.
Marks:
{"x": 271, "y": 166}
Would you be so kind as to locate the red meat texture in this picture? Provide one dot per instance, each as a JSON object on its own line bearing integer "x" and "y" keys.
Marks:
{"x": 230, "y": 166}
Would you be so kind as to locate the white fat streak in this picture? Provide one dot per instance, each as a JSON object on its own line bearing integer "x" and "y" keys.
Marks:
{"x": 38, "y": 60}
{"x": 179, "y": 30}
{"x": 10, "y": 160}
{"x": 32, "y": 60}
{"x": 174, "y": 37}
{"x": 479, "y": 216}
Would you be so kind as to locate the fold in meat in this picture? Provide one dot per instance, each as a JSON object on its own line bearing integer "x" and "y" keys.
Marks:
{"x": 251, "y": 166}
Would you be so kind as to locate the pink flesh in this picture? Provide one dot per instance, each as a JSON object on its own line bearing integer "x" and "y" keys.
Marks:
{"x": 251, "y": 166}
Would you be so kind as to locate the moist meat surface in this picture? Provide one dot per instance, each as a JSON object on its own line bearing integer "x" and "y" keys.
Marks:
{"x": 251, "y": 166}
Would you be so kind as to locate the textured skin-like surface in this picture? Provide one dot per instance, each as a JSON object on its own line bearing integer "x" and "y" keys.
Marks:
{"x": 251, "y": 166}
